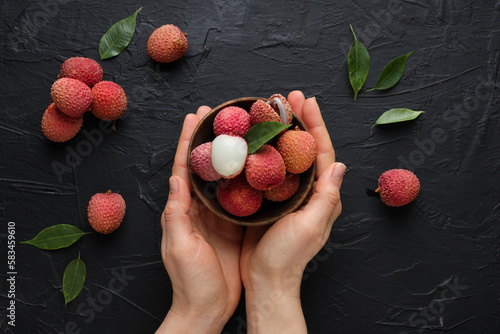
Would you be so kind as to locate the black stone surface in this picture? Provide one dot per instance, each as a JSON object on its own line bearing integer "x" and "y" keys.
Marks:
{"x": 430, "y": 267}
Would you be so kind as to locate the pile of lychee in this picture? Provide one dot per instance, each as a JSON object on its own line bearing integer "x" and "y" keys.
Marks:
{"x": 271, "y": 173}
{"x": 80, "y": 88}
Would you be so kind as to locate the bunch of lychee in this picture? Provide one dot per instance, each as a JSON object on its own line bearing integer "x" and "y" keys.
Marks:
{"x": 80, "y": 88}
{"x": 271, "y": 173}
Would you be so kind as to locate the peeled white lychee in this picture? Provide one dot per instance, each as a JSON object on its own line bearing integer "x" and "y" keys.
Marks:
{"x": 229, "y": 154}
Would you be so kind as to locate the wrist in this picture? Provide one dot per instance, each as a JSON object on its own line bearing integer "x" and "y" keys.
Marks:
{"x": 191, "y": 322}
{"x": 274, "y": 311}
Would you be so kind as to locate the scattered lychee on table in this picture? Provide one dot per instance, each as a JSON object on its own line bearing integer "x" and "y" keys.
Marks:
{"x": 167, "y": 44}
{"x": 109, "y": 101}
{"x": 106, "y": 211}
{"x": 84, "y": 69}
{"x": 59, "y": 127}
{"x": 398, "y": 187}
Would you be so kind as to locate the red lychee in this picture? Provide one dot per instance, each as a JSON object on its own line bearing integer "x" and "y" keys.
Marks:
{"x": 59, "y": 127}
{"x": 237, "y": 197}
{"x": 298, "y": 149}
{"x": 265, "y": 169}
{"x": 84, "y": 69}
{"x": 106, "y": 211}
{"x": 398, "y": 187}
{"x": 233, "y": 121}
{"x": 167, "y": 44}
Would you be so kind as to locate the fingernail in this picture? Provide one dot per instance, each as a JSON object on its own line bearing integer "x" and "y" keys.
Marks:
{"x": 338, "y": 171}
{"x": 174, "y": 185}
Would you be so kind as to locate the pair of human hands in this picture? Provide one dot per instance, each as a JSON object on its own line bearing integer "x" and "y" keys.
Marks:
{"x": 208, "y": 259}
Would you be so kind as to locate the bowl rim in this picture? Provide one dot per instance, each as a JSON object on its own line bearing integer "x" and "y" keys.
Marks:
{"x": 226, "y": 215}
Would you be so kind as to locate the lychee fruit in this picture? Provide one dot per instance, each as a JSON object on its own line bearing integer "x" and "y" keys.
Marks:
{"x": 106, "y": 211}
{"x": 71, "y": 96}
{"x": 232, "y": 121}
{"x": 229, "y": 154}
{"x": 109, "y": 101}
{"x": 298, "y": 149}
{"x": 261, "y": 112}
{"x": 59, "y": 127}
{"x": 282, "y": 107}
{"x": 237, "y": 197}
{"x": 265, "y": 169}
{"x": 398, "y": 187}
{"x": 84, "y": 69}
{"x": 201, "y": 162}
{"x": 276, "y": 109}
{"x": 285, "y": 190}
{"x": 167, "y": 44}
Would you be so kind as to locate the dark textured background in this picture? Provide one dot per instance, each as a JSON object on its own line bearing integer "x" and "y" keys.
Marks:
{"x": 432, "y": 266}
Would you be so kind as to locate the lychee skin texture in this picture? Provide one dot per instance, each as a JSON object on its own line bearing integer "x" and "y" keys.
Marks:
{"x": 233, "y": 121}
{"x": 84, "y": 69}
{"x": 261, "y": 112}
{"x": 71, "y": 96}
{"x": 298, "y": 149}
{"x": 59, "y": 127}
{"x": 265, "y": 169}
{"x": 167, "y": 44}
{"x": 106, "y": 211}
{"x": 398, "y": 187}
{"x": 109, "y": 101}
{"x": 237, "y": 197}
{"x": 285, "y": 190}
{"x": 201, "y": 163}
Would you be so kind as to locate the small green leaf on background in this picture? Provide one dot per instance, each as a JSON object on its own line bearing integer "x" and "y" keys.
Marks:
{"x": 55, "y": 237}
{"x": 73, "y": 279}
{"x": 397, "y": 115}
{"x": 392, "y": 73}
{"x": 118, "y": 37}
{"x": 358, "y": 62}
{"x": 261, "y": 133}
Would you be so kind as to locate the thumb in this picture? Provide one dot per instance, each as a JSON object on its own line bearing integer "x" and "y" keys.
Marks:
{"x": 324, "y": 206}
{"x": 176, "y": 223}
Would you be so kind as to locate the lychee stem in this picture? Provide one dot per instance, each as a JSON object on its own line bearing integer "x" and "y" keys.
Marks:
{"x": 377, "y": 190}
{"x": 114, "y": 125}
{"x": 109, "y": 192}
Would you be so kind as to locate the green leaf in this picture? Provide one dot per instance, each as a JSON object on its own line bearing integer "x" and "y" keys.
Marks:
{"x": 397, "y": 115}
{"x": 73, "y": 279}
{"x": 55, "y": 237}
{"x": 358, "y": 62}
{"x": 261, "y": 133}
{"x": 118, "y": 37}
{"x": 392, "y": 72}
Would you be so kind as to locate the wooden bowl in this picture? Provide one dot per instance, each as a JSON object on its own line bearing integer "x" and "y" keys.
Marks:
{"x": 269, "y": 212}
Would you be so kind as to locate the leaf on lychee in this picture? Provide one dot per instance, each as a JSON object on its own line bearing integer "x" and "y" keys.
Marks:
{"x": 261, "y": 133}
{"x": 118, "y": 37}
{"x": 397, "y": 115}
